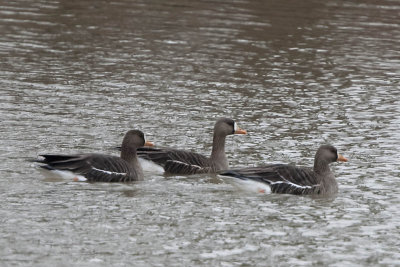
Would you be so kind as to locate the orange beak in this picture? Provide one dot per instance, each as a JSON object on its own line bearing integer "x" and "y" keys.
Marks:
{"x": 341, "y": 158}
{"x": 240, "y": 131}
{"x": 148, "y": 143}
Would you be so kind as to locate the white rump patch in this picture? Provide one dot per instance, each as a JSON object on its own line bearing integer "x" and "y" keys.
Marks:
{"x": 151, "y": 167}
{"x": 67, "y": 175}
{"x": 248, "y": 185}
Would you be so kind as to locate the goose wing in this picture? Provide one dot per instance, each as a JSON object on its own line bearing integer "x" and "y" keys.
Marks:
{"x": 176, "y": 161}
{"x": 282, "y": 178}
{"x": 180, "y": 167}
{"x": 94, "y": 167}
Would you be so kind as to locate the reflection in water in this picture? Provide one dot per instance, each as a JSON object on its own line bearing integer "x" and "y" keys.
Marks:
{"x": 75, "y": 75}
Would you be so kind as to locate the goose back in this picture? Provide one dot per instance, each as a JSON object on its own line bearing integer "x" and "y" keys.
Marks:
{"x": 282, "y": 178}
{"x": 176, "y": 161}
{"x": 94, "y": 167}
{"x": 184, "y": 162}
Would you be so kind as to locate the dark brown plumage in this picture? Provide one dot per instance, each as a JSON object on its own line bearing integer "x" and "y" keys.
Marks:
{"x": 100, "y": 167}
{"x": 289, "y": 179}
{"x": 175, "y": 161}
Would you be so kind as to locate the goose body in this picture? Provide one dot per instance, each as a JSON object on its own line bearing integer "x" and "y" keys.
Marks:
{"x": 175, "y": 161}
{"x": 289, "y": 179}
{"x": 183, "y": 162}
{"x": 94, "y": 167}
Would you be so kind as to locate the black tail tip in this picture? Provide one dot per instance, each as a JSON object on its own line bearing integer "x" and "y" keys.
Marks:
{"x": 228, "y": 173}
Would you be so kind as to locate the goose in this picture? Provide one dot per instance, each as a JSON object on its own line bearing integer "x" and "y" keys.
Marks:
{"x": 94, "y": 167}
{"x": 182, "y": 162}
{"x": 289, "y": 179}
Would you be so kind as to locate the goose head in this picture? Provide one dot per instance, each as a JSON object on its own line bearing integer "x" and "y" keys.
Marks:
{"x": 226, "y": 126}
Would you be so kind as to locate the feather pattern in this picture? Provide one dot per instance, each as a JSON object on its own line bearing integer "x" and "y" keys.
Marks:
{"x": 289, "y": 179}
{"x": 94, "y": 167}
{"x": 99, "y": 167}
{"x": 176, "y": 161}
{"x": 182, "y": 162}
{"x": 282, "y": 178}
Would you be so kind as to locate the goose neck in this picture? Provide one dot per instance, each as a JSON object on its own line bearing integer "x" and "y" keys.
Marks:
{"x": 218, "y": 152}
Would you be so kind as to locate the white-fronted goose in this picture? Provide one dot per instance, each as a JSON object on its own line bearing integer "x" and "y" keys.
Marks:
{"x": 175, "y": 161}
{"x": 289, "y": 179}
{"x": 99, "y": 167}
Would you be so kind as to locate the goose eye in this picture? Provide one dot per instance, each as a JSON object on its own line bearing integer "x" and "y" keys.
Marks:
{"x": 335, "y": 154}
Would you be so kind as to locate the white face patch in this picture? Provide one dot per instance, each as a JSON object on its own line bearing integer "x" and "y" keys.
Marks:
{"x": 235, "y": 127}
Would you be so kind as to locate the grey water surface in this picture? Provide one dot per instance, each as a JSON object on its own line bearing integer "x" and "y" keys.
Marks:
{"x": 76, "y": 75}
